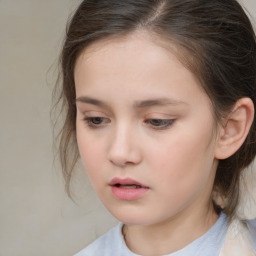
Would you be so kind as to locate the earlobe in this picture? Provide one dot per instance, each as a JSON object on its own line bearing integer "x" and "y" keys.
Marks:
{"x": 235, "y": 129}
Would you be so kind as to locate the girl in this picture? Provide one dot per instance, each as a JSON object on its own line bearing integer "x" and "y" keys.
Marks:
{"x": 160, "y": 98}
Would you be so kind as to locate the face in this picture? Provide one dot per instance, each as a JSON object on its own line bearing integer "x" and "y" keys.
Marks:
{"x": 145, "y": 130}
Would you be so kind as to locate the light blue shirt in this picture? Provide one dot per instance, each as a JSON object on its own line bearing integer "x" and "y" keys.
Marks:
{"x": 113, "y": 244}
{"x": 252, "y": 229}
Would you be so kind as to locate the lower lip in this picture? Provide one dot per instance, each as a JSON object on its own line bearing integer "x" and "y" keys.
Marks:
{"x": 128, "y": 194}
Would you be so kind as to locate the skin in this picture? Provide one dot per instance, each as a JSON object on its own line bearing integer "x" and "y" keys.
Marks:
{"x": 168, "y": 144}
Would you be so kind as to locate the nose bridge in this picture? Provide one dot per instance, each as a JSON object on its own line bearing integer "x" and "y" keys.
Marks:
{"x": 123, "y": 146}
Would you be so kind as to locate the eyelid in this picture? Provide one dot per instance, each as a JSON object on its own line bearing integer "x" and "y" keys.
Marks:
{"x": 94, "y": 113}
{"x": 160, "y": 116}
{"x": 163, "y": 123}
{"x": 166, "y": 119}
{"x": 102, "y": 122}
{"x": 90, "y": 116}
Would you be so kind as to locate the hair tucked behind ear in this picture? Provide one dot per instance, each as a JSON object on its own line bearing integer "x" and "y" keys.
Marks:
{"x": 216, "y": 42}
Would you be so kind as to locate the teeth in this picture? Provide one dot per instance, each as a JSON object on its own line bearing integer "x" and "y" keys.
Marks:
{"x": 128, "y": 186}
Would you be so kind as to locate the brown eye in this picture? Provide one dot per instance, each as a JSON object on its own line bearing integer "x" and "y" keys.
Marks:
{"x": 160, "y": 123}
{"x": 96, "y": 122}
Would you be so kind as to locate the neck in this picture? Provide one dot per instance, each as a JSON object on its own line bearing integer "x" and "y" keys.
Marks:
{"x": 170, "y": 235}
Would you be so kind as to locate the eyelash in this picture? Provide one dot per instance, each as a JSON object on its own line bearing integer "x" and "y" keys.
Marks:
{"x": 160, "y": 124}
{"x": 90, "y": 121}
{"x": 157, "y": 124}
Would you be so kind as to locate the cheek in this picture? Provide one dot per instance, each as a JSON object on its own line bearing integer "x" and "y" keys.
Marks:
{"x": 186, "y": 161}
{"x": 90, "y": 150}
{"x": 92, "y": 159}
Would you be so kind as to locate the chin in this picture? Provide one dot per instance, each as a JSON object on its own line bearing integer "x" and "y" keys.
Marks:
{"x": 129, "y": 216}
{"x": 133, "y": 217}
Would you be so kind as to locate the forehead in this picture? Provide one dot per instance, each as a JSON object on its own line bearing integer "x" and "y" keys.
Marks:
{"x": 137, "y": 39}
{"x": 134, "y": 63}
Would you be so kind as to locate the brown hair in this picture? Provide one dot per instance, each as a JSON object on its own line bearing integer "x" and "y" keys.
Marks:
{"x": 218, "y": 40}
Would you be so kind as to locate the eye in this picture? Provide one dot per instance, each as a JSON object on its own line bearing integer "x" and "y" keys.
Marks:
{"x": 160, "y": 123}
{"x": 96, "y": 122}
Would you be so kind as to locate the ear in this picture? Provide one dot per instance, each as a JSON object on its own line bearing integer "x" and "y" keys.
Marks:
{"x": 235, "y": 129}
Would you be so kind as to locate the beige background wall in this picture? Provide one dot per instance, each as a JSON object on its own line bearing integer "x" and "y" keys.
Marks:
{"x": 36, "y": 216}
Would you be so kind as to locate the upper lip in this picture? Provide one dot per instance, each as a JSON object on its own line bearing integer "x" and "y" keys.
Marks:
{"x": 126, "y": 181}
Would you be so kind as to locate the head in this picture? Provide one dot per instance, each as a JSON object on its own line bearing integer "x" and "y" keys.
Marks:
{"x": 213, "y": 40}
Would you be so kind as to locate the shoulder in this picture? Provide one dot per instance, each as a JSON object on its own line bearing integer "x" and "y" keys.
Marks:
{"x": 239, "y": 240}
{"x": 252, "y": 231}
{"x": 105, "y": 244}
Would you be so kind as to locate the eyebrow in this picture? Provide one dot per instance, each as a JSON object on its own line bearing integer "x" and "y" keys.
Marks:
{"x": 92, "y": 101}
{"x": 137, "y": 104}
{"x": 157, "y": 102}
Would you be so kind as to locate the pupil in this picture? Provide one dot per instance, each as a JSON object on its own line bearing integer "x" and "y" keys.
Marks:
{"x": 97, "y": 120}
{"x": 156, "y": 122}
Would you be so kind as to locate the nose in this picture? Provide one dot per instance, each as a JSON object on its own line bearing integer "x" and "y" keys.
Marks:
{"x": 124, "y": 148}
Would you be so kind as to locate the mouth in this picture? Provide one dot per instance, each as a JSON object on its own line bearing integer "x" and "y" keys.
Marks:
{"x": 127, "y": 186}
{"x": 126, "y": 183}
{"x": 127, "y": 189}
